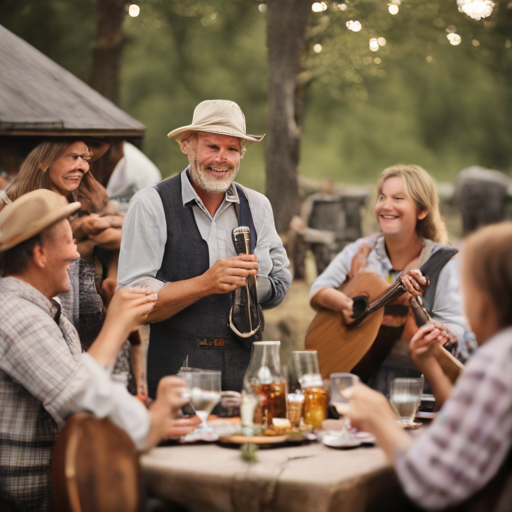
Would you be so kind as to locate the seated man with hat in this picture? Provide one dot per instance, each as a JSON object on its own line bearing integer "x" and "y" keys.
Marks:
{"x": 177, "y": 239}
{"x": 44, "y": 376}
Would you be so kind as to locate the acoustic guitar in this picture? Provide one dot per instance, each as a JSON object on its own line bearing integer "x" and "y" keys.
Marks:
{"x": 361, "y": 346}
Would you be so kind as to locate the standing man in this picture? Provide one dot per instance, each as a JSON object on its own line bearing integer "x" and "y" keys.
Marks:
{"x": 177, "y": 239}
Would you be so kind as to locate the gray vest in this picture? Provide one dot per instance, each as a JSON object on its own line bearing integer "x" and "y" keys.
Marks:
{"x": 200, "y": 331}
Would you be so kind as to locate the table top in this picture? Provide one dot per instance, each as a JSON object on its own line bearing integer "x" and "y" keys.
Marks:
{"x": 307, "y": 478}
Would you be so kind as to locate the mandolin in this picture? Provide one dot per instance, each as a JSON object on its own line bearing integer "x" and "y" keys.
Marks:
{"x": 379, "y": 320}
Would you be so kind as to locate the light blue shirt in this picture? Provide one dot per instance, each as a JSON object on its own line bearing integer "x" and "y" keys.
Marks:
{"x": 447, "y": 307}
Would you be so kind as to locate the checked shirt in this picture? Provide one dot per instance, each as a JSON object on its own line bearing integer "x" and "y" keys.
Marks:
{"x": 39, "y": 352}
{"x": 471, "y": 436}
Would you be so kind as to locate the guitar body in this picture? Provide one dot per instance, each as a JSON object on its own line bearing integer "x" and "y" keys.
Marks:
{"x": 340, "y": 346}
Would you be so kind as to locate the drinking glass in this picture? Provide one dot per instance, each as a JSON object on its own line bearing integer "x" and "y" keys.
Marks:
{"x": 405, "y": 397}
{"x": 204, "y": 387}
{"x": 307, "y": 370}
{"x": 295, "y": 406}
{"x": 340, "y": 382}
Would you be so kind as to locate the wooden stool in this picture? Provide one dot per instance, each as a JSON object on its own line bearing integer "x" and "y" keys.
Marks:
{"x": 95, "y": 467}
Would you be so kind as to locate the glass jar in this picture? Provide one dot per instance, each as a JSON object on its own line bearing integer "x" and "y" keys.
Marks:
{"x": 264, "y": 380}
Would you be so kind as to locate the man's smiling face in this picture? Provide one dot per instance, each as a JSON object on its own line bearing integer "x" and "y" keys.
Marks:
{"x": 214, "y": 160}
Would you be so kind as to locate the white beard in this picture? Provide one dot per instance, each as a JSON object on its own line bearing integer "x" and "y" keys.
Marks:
{"x": 209, "y": 184}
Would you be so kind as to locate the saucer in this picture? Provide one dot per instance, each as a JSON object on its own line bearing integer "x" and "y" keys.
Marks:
{"x": 344, "y": 440}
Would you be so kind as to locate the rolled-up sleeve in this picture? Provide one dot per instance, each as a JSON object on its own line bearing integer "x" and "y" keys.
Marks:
{"x": 447, "y": 307}
{"x": 274, "y": 277}
{"x": 337, "y": 271}
{"x": 143, "y": 241}
{"x": 94, "y": 391}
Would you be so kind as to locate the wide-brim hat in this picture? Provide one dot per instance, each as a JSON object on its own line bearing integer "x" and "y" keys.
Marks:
{"x": 217, "y": 116}
{"x": 31, "y": 214}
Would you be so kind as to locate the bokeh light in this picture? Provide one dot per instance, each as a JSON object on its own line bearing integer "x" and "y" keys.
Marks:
{"x": 476, "y": 9}
{"x": 374, "y": 45}
{"x": 134, "y": 10}
{"x": 355, "y": 26}
{"x": 454, "y": 38}
{"x": 319, "y": 7}
{"x": 317, "y": 48}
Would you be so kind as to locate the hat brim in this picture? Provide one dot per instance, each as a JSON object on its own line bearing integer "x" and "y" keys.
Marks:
{"x": 43, "y": 223}
{"x": 182, "y": 133}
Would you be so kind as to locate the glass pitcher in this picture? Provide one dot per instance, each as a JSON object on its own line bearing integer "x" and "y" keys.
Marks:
{"x": 264, "y": 381}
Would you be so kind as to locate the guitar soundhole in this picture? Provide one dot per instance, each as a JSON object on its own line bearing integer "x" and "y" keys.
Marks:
{"x": 360, "y": 305}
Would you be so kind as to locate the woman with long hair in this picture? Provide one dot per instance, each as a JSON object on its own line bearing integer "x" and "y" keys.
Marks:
{"x": 62, "y": 166}
{"x": 411, "y": 229}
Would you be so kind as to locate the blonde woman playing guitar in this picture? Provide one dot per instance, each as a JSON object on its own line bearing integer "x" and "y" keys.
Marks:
{"x": 412, "y": 229}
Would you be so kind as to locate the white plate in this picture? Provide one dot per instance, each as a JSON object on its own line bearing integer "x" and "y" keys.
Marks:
{"x": 333, "y": 439}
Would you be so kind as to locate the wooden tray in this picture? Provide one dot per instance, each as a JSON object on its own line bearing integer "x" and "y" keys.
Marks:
{"x": 262, "y": 441}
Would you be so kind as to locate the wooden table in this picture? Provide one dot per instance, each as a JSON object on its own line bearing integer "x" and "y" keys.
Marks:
{"x": 308, "y": 478}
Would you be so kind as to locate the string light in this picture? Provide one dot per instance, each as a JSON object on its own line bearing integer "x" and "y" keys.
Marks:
{"x": 374, "y": 45}
{"x": 134, "y": 10}
{"x": 476, "y": 9}
{"x": 319, "y": 7}
{"x": 355, "y": 26}
{"x": 454, "y": 38}
{"x": 317, "y": 48}
{"x": 393, "y": 7}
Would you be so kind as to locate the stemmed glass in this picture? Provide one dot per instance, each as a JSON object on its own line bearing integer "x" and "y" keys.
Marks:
{"x": 340, "y": 382}
{"x": 405, "y": 397}
{"x": 204, "y": 387}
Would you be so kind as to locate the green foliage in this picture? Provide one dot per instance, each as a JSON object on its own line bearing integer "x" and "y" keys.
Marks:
{"x": 418, "y": 99}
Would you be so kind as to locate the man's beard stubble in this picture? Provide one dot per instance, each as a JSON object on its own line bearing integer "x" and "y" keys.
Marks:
{"x": 211, "y": 185}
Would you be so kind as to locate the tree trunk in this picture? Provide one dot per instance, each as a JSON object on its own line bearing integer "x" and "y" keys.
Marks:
{"x": 107, "y": 47}
{"x": 286, "y": 31}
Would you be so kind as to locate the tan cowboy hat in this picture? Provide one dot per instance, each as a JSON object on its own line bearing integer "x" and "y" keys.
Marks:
{"x": 31, "y": 214}
{"x": 216, "y": 116}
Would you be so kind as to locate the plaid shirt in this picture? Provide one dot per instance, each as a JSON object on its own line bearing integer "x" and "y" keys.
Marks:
{"x": 471, "y": 435}
{"x": 39, "y": 355}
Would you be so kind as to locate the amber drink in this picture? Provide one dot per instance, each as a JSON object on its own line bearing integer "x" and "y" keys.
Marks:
{"x": 271, "y": 403}
{"x": 264, "y": 380}
{"x": 295, "y": 408}
{"x": 315, "y": 396}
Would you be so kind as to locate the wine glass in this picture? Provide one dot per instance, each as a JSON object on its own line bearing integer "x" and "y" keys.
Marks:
{"x": 204, "y": 388}
{"x": 340, "y": 382}
{"x": 405, "y": 397}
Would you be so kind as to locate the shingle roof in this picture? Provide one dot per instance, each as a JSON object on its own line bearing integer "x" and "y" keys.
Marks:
{"x": 37, "y": 96}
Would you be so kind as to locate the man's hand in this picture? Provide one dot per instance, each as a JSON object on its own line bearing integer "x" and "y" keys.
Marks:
{"x": 183, "y": 426}
{"x": 130, "y": 308}
{"x": 128, "y": 312}
{"x": 171, "y": 395}
{"x": 230, "y": 273}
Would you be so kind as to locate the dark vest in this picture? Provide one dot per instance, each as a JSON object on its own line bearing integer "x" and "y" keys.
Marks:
{"x": 200, "y": 331}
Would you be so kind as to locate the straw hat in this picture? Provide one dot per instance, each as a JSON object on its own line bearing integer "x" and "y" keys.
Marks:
{"x": 217, "y": 116}
{"x": 31, "y": 214}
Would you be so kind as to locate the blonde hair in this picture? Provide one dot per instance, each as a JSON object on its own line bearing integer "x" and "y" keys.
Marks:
{"x": 34, "y": 175}
{"x": 487, "y": 252}
{"x": 422, "y": 189}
